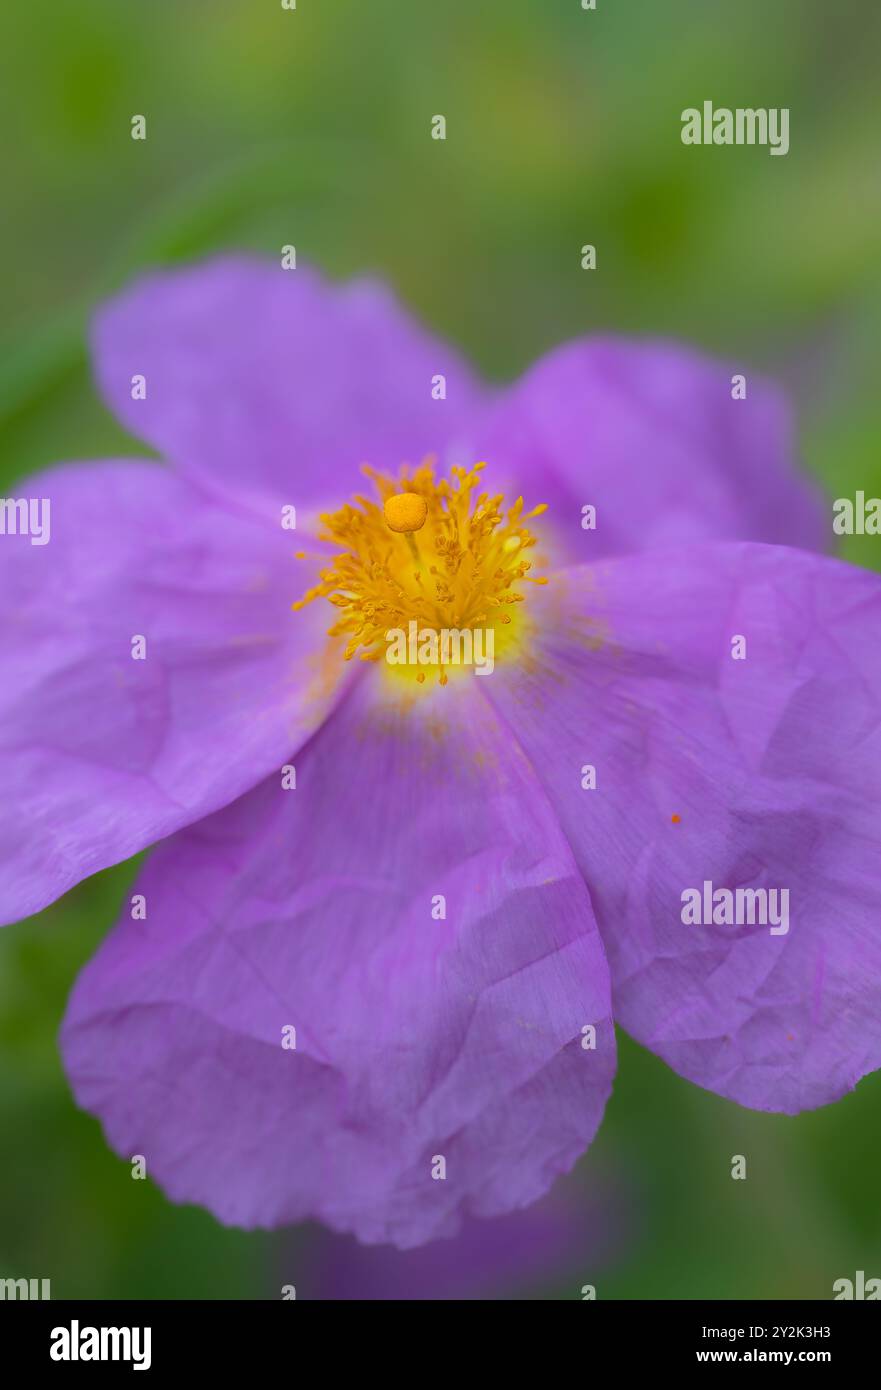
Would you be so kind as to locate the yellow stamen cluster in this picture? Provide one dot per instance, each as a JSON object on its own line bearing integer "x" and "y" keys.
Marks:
{"x": 440, "y": 552}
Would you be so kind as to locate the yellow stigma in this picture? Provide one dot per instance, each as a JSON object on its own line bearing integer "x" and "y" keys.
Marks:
{"x": 405, "y": 511}
{"x": 466, "y": 577}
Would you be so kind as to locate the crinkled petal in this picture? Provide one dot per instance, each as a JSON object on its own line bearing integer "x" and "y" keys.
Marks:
{"x": 418, "y": 1037}
{"x": 763, "y": 772}
{"x": 649, "y": 435}
{"x": 102, "y": 753}
{"x": 274, "y": 380}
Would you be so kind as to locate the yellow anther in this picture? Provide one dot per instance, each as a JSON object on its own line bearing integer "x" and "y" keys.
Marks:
{"x": 405, "y": 511}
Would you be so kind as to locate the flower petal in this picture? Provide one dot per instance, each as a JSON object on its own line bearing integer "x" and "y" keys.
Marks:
{"x": 417, "y": 1037}
{"x": 275, "y": 380}
{"x": 648, "y": 434}
{"x": 101, "y": 753}
{"x": 756, "y": 772}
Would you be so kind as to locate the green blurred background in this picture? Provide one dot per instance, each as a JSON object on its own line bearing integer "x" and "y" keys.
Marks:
{"x": 312, "y": 127}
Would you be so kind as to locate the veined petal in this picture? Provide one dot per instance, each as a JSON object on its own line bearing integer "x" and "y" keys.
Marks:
{"x": 648, "y": 434}
{"x": 107, "y": 745}
{"x": 761, "y": 772}
{"x": 274, "y": 381}
{"x": 420, "y": 1037}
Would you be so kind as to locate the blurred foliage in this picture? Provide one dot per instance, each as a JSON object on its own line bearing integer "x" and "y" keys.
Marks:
{"x": 266, "y": 127}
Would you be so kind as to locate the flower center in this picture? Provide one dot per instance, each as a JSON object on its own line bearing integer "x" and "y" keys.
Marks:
{"x": 430, "y": 571}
